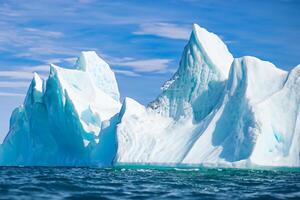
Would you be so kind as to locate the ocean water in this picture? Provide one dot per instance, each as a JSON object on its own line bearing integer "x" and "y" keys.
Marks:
{"x": 133, "y": 183}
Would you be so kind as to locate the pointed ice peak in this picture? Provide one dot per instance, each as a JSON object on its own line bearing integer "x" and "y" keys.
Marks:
{"x": 256, "y": 78}
{"x": 38, "y": 82}
{"x": 199, "y": 81}
{"x": 213, "y": 48}
{"x": 89, "y": 59}
{"x": 98, "y": 71}
{"x": 35, "y": 91}
{"x": 251, "y": 64}
{"x": 53, "y": 69}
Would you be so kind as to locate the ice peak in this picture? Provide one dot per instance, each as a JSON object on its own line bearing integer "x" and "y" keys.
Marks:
{"x": 35, "y": 91}
{"x": 255, "y": 78}
{"x": 87, "y": 59}
{"x": 53, "y": 69}
{"x": 213, "y": 48}
{"x": 100, "y": 73}
{"x": 195, "y": 26}
{"x": 204, "y": 67}
{"x": 38, "y": 82}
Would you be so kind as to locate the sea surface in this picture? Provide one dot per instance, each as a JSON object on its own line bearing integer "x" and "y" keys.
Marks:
{"x": 133, "y": 183}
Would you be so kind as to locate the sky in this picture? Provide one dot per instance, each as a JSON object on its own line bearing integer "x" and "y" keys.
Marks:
{"x": 141, "y": 40}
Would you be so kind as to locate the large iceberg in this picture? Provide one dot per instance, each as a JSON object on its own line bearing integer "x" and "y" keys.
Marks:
{"x": 61, "y": 118}
{"x": 216, "y": 110}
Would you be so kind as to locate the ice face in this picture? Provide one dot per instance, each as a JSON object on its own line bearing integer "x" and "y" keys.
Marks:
{"x": 199, "y": 82}
{"x": 216, "y": 110}
{"x": 99, "y": 73}
{"x": 61, "y": 119}
{"x": 29, "y": 141}
{"x": 232, "y": 131}
{"x": 278, "y": 139}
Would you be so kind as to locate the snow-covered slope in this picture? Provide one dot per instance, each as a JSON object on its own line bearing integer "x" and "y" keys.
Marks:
{"x": 215, "y": 110}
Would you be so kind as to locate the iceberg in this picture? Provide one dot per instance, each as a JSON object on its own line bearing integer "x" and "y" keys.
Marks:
{"x": 61, "y": 118}
{"x": 216, "y": 110}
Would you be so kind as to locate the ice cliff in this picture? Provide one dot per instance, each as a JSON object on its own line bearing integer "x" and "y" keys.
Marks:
{"x": 61, "y": 118}
{"x": 216, "y": 110}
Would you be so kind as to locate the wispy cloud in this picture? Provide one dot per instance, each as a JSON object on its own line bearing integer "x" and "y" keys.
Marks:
{"x": 126, "y": 73}
{"x": 167, "y": 30}
{"x": 19, "y": 37}
{"x": 11, "y": 94}
{"x": 70, "y": 60}
{"x": 36, "y": 68}
{"x": 24, "y": 73}
{"x": 6, "y": 10}
{"x": 26, "y": 36}
{"x": 19, "y": 79}
{"x": 156, "y": 65}
{"x": 40, "y": 32}
{"x": 11, "y": 84}
{"x": 16, "y": 74}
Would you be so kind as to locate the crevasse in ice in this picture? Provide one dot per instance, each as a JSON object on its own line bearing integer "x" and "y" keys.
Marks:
{"x": 216, "y": 110}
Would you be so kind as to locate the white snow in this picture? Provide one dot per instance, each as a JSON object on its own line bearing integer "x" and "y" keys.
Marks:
{"x": 214, "y": 49}
{"x": 90, "y": 103}
{"x": 99, "y": 73}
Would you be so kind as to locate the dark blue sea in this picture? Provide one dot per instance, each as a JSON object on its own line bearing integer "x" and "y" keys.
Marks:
{"x": 133, "y": 183}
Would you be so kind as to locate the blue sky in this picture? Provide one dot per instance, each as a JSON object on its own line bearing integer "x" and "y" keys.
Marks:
{"x": 141, "y": 40}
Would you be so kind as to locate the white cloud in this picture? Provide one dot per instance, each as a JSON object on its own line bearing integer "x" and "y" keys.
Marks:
{"x": 28, "y": 36}
{"x": 6, "y": 10}
{"x": 10, "y": 94}
{"x": 70, "y": 60}
{"x": 37, "y": 68}
{"x": 50, "y": 49}
{"x": 143, "y": 65}
{"x": 14, "y": 84}
{"x": 167, "y": 30}
{"x": 16, "y": 74}
{"x": 127, "y": 73}
{"x": 27, "y": 72}
{"x": 24, "y": 73}
{"x": 46, "y": 33}
{"x": 20, "y": 78}
{"x": 30, "y": 42}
